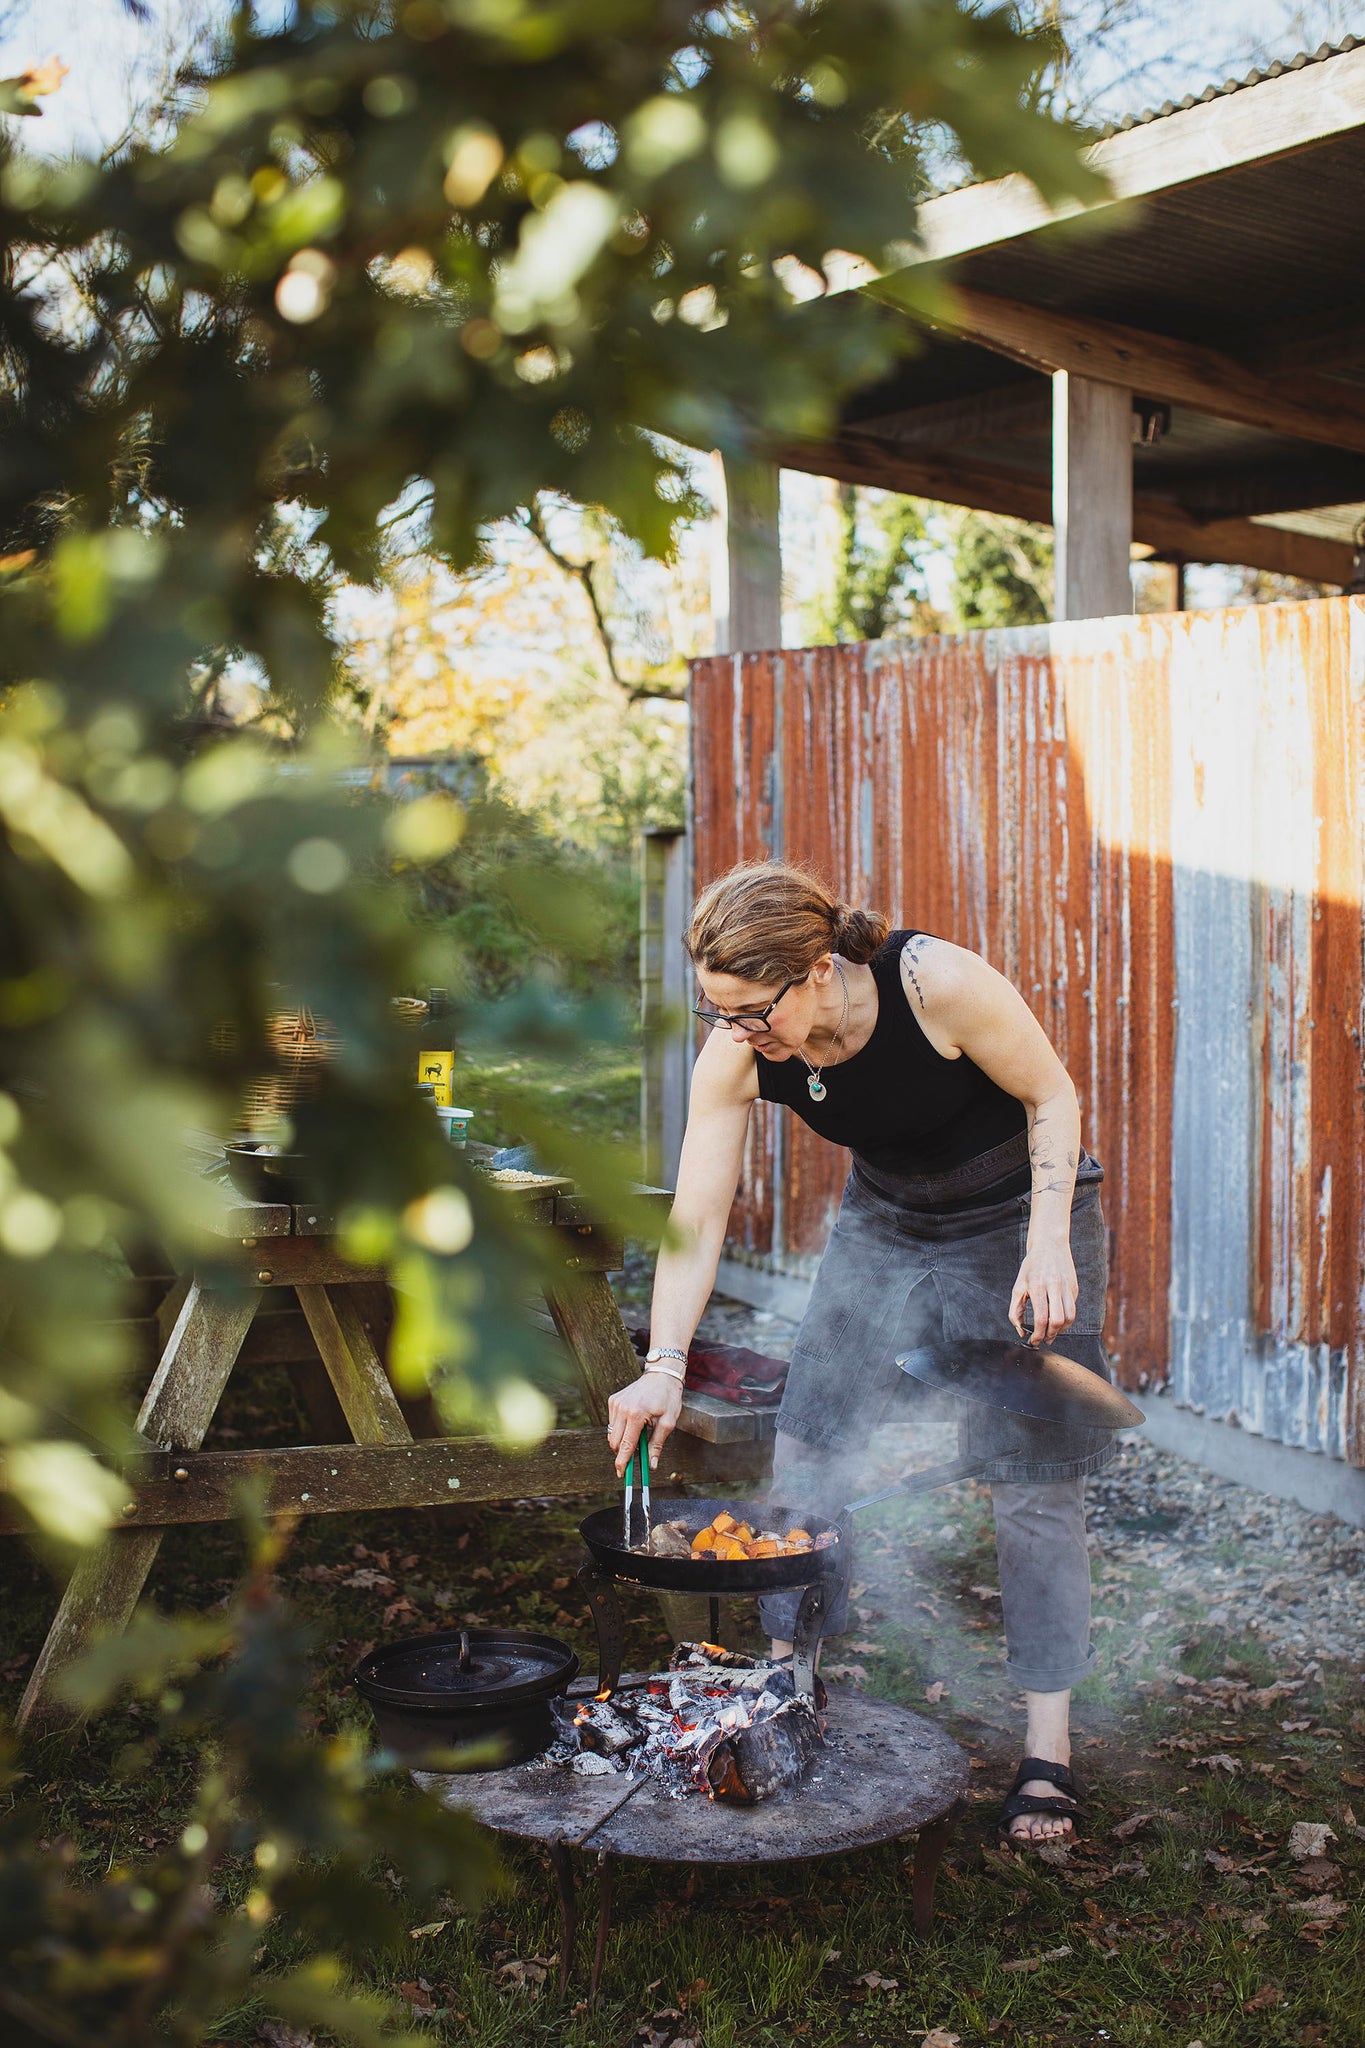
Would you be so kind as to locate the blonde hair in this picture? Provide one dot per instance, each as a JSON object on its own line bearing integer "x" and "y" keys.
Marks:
{"x": 768, "y": 921}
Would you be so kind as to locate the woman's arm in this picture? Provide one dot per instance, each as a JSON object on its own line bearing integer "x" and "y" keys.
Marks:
{"x": 724, "y": 1088}
{"x": 964, "y": 1006}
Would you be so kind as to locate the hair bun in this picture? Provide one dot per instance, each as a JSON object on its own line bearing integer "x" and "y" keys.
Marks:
{"x": 858, "y": 933}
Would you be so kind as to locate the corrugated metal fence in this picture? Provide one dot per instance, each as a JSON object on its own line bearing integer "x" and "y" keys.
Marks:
{"x": 1155, "y": 828}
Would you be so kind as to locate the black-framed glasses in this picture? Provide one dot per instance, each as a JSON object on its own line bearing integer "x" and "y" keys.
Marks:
{"x": 754, "y": 1022}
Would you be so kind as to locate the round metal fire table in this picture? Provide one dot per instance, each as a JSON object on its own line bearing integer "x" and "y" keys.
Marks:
{"x": 882, "y": 1772}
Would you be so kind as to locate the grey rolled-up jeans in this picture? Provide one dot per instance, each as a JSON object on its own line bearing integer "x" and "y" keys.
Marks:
{"x": 1039, "y": 1543}
{"x": 929, "y": 1266}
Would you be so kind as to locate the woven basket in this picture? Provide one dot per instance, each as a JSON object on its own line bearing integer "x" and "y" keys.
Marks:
{"x": 303, "y": 1045}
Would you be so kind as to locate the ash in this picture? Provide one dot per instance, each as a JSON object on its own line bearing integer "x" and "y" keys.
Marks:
{"x": 717, "y": 1722}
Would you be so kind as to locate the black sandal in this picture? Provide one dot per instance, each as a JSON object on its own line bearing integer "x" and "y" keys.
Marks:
{"x": 1018, "y": 1801}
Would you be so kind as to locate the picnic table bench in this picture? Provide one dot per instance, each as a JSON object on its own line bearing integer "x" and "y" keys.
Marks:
{"x": 273, "y": 1289}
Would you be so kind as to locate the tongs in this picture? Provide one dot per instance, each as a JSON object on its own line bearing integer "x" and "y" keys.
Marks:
{"x": 641, "y": 1452}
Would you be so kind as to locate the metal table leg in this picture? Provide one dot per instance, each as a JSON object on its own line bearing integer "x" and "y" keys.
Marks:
{"x": 568, "y": 1910}
{"x": 604, "y": 1873}
{"x": 930, "y": 1844}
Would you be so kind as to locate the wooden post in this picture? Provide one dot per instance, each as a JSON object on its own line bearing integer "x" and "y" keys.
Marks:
{"x": 748, "y": 599}
{"x": 1092, "y": 497}
{"x": 178, "y": 1408}
{"x": 665, "y": 1020}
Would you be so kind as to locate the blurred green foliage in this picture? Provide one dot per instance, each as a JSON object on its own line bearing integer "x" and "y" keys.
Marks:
{"x": 443, "y": 254}
{"x": 311, "y": 1838}
{"x": 453, "y": 252}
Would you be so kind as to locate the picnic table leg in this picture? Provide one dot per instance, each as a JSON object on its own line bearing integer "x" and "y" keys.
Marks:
{"x": 176, "y": 1411}
{"x": 588, "y": 1319}
{"x": 353, "y": 1364}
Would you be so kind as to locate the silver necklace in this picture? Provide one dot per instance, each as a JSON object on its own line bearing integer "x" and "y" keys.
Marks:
{"x": 815, "y": 1087}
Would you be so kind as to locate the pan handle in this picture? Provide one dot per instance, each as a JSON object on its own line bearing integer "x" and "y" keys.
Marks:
{"x": 930, "y": 1479}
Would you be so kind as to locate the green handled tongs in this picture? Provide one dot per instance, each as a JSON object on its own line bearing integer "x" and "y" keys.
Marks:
{"x": 640, "y": 1453}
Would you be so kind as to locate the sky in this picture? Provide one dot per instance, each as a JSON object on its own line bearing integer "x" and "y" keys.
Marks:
{"x": 1172, "y": 47}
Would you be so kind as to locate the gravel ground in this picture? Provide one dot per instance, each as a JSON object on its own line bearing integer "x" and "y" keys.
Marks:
{"x": 1242, "y": 1560}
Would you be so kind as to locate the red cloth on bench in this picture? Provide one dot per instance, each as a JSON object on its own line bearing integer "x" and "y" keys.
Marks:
{"x": 729, "y": 1371}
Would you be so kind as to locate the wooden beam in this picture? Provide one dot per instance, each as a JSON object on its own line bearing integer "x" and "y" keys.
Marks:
{"x": 1275, "y": 118}
{"x": 1092, "y": 497}
{"x": 348, "y": 1478}
{"x": 1157, "y": 522}
{"x": 1157, "y": 366}
{"x": 1321, "y": 340}
{"x": 1010, "y": 411}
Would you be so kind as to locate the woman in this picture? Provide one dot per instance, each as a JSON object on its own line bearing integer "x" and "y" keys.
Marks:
{"x": 971, "y": 1212}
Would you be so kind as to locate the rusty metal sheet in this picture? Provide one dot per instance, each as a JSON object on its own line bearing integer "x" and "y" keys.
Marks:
{"x": 1156, "y": 828}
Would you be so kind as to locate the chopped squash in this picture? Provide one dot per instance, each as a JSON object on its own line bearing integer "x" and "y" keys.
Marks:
{"x": 724, "y": 1523}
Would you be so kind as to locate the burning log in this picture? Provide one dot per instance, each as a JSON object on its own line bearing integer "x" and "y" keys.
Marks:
{"x": 757, "y": 1761}
{"x": 731, "y": 1726}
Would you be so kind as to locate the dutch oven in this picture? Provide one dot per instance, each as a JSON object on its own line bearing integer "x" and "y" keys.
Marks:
{"x": 458, "y": 1686}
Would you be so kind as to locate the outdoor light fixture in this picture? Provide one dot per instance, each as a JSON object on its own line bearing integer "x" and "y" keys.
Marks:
{"x": 1151, "y": 421}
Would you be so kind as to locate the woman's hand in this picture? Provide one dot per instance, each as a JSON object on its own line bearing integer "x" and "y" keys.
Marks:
{"x": 1047, "y": 1284}
{"x": 656, "y": 1397}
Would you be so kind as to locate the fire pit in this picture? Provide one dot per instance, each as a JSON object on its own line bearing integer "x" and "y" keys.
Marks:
{"x": 882, "y": 1772}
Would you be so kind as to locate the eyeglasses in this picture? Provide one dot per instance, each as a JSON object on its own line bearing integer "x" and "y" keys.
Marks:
{"x": 753, "y": 1022}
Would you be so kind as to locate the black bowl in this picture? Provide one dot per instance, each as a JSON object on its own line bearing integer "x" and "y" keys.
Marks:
{"x": 267, "y": 1176}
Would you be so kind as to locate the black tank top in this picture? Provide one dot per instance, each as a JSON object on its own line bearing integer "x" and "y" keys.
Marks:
{"x": 897, "y": 1103}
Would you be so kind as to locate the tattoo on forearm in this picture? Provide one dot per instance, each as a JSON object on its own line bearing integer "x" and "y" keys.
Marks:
{"x": 1039, "y": 1147}
{"x": 912, "y": 953}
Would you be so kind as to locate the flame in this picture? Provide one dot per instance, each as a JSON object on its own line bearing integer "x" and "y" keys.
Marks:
{"x": 598, "y": 1697}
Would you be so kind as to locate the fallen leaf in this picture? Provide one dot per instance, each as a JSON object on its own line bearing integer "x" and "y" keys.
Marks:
{"x": 526, "y": 1973}
{"x": 1225, "y": 1864}
{"x": 1309, "y": 1838}
{"x": 875, "y": 1982}
{"x": 1318, "y": 1908}
{"x": 368, "y": 1579}
{"x": 986, "y": 1592}
{"x": 279, "y": 2034}
{"x": 1219, "y": 1761}
{"x": 558, "y": 1585}
{"x": 1254, "y": 1924}
{"x": 868, "y": 1649}
{"x": 939, "y": 2037}
{"x": 418, "y": 1996}
{"x": 1295, "y": 1727}
{"x": 854, "y": 1674}
{"x": 432, "y": 1927}
{"x": 936, "y": 1692}
{"x": 1268, "y": 1995}
{"x": 1134, "y": 1821}
{"x": 1049, "y": 1955}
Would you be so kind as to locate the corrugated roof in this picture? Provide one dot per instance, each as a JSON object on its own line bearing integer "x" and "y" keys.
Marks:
{"x": 1232, "y": 85}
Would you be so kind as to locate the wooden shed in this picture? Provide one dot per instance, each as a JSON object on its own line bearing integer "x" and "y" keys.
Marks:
{"x": 1155, "y": 825}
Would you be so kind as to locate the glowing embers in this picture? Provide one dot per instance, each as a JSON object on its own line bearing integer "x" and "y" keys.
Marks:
{"x": 717, "y": 1722}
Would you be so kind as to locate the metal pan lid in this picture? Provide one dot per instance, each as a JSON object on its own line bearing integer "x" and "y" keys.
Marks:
{"x": 467, "y": 1668}
{"x": 1023, "y": 1381}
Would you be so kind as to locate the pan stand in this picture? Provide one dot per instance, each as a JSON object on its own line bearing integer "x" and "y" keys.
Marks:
{"x": 562, "y": 1864}
{"x": 599, "y": 1590}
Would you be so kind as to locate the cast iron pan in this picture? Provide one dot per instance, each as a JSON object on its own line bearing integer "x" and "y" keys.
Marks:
{"x": 603, "y": 1535}
{"x": 482, "y": 1685}
{"x": 1022, "y": 1381}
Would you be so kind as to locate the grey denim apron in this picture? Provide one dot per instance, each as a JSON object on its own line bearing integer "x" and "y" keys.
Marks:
{"x": 916, "y": 1262}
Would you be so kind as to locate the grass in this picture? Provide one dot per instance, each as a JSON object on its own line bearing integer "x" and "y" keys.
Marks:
{"x": 597, "y": 1093}
{"x": 1179, "y": 1930}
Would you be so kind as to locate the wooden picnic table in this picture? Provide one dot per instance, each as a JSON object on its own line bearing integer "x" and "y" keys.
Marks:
{"x": 273, "y": 1289}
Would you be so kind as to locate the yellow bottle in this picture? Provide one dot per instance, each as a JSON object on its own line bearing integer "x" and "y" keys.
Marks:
{"x": 436, "y": 1070}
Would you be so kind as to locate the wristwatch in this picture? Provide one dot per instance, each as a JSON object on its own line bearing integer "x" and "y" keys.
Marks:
{"x": 659, "y": 1352}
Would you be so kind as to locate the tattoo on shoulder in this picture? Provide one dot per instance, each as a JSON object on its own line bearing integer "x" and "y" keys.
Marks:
{"x": 912, "y": 956}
